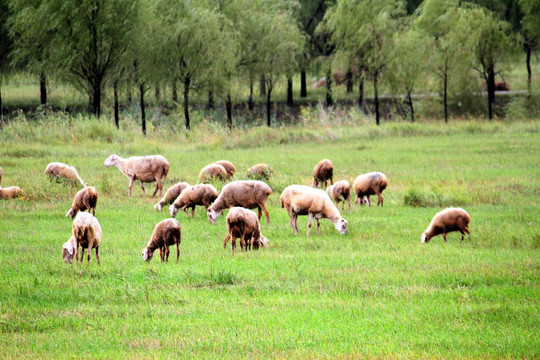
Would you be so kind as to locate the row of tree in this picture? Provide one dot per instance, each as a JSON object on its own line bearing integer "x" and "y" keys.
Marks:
{"x": 219, "y": 47}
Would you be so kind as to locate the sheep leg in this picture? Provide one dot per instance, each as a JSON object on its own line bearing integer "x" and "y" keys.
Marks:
{"x": 177, "y": 251}
{"x": 131, "y": 179}
{"x": 265, "y": 213}
{"x": 381, "y": 199}
{"x": 444, "y": 236}
{"x": 159, "y": 186}
{"x": 310, "y": 222}
{"x": 97, "y": 255}
{"x": 233, "y": 244}
{"x": 90, "y": 246}
{"x": 226, "y": 240}
{"x": 82, "y": 254}
{"x": 294, "y": 224}
{"x": 193, "y": 211}
{"x": 142, "y": 187}
{"x": 349, "y": 201}
{"x": 167, "y": 252}
{"x": 318, "y": 227}
{"x": 243, "y": 245}
{"x": 462, "y": 235}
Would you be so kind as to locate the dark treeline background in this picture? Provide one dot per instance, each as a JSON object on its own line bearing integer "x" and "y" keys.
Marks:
{"x": 222, "y": 50}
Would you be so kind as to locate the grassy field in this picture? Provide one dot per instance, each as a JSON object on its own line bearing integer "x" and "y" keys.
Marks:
{"x": 375, "y": 293}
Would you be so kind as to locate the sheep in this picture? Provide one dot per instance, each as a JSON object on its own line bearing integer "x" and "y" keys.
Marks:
{"x": 323, "y": 171}
{"x": 201, "y": 194}
{"x": 166, "y": 233}
{"x": 10, "y": 192}
{"x": 213, "y": 171}
{"x": 172, "y": 193}
{"x": 143, "y": 168}
{"x": 250, "y": 194}
{"x": 340, "y": 191}
{"x": 259, "y": 171}
{"x": 56, "y": 170}
{"x": 86, "y": 234}
{"x": 244, "y": 224}
{"x": 372, "y": 183}
{"x": 305, "y": 200}
{"x": 445, "y": 221}
{"x": 229, "y": 167}
{"x": 85, "y": 199}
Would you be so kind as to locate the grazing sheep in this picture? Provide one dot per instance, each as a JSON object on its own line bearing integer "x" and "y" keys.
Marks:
{"x": 305, "y": 200}
{"x": 448, "y": 220}
{"x": 172, "y": 193}
{"x": 56, "y": 170}
{"x": 85, "y": 199}
{"x": 10, "y": 192}
{"x": 244, "y": 224}
{"x": 323, "y": 171}
{"x": 211, "y": 172}
{"x": 201, "y": 194}
{"x": 86, "y": 234}
{"x": 166, "y": 233}
{"x": 250, "y": 194}
{"x": 340, "y": 191}
{"x": 229, "y": 167}
{"x": 259, "y": 171}
{"x": 372, "y": 183}
{"x": 143, "y": 168}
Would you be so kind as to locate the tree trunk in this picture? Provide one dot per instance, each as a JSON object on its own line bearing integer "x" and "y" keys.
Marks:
{"x": 262, "y": 86}
{"x": 228, "y": 105}
{"x": 445, "y": 97}
{"x": 350, "y": 84}
{"x": 210, "y": 99}
{"x": 174, "y": 92}
{"x": 329, "y": 100}
{"x": 115, "y": 94}
{"x": 186, "y": 101}
{"x": 361, "y": 101}
{"x": 157, "y": 94}
{"x": 303, "y": 84}
{"x": 43, "y": 89}
{"x": 268, "y": 105}
{"x": 143, "y": 111}
{"x": 376, "y": 93}
{"x": 250, "y": 99}
{"x": 96, "y": 99}
{"x": 289, "y": 91}
{"x": 128, "y": 92}
{"x": 1, "y": 105}
{"x": 411, "y": 106}
{"x": 529, "y": 74}
{"x": 491, "y": 91}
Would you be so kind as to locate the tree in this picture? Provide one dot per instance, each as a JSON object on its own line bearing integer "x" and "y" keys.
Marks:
{"x": 531, "y": 31}
{"x": 5, "y": 49}
{"x": 491, "y": 45}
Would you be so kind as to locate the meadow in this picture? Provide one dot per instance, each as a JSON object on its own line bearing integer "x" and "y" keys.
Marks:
{"x": 376, "y": 292}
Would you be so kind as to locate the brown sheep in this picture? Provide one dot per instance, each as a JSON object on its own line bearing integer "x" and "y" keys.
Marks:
{"x": 250, "y": 194}
{"x": 56, "y": 170}
{"x": 172, "y": 194}
{"x": 323, "y": 171}
{"x": 143, "y": 168}
{"x": 86, "y": 234}
{"x": 445, "y": 221}
{"x": 260, "y": 171}
{"x": 229, "y": 167}
{"x": 10, "y": 192}
{"x": 244, "y": 224}
{"x": 211, "y": 172}
{"x": 166, "y": 233}
{"x": 201, "y": 194}
{"x": 340, "y": 191}
{"x": 85, "y": 199}
{"x": 369, "y": 184}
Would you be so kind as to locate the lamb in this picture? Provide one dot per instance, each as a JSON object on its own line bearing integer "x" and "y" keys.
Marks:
{"x": 57, "y": 170}
{"x": 172, "y": 193}
{"x": 250, "y": 194}
{"x": 323, "y": 171}
{"x": 143, "y": 168}
{"x": 448, "y": 220}
{"x": 229, "y": 167}
{"x": 10, "y": 192}
{"x": 340, "y": 191}
{"x": 201, "y": 194}
{"x": 260, "y": 171}
{"x": 166, "y": 233}
{"x": 211, "y": 172}
{"x": 86, "y": 234}
{"x": 244, "y": 224}
{"x": 372, "y": 183}
{"x": 85, "y": 199}
{"x": 305, "y": 200}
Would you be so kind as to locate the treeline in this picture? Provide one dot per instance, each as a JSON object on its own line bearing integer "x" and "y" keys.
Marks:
{"x": 222, "y": 47}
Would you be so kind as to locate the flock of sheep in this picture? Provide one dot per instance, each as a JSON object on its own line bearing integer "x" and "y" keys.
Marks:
{"x": 237, "y": 196}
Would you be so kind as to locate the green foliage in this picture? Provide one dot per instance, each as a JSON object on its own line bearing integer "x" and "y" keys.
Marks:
{"x": 435, "y": 197}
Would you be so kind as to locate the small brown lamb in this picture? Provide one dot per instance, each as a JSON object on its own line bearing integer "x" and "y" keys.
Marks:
{"x": 166, "y": 233}
{"x": 323, "y": 172}
{"x": 340, "y": 192}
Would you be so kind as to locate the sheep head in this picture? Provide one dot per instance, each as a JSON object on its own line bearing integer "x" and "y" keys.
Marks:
{"x": 212, "y": 215}
{"x": 158, "y": 207}
{"x": 71, "y": 213}
{"x": 147, "y": 254}
{"x": 425, "y": 238}
{"x": 111, "y": 160}
{"x": 342, "y": 226}
{"x": 68, "y": 250}
{"x": 173, "y": 210}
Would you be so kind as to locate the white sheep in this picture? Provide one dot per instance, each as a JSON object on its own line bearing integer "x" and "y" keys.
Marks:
{"x": 166, "y": 233}
{"x": 445, "y": 221}
{"x": 340, "y": 191}
{"x": 244, "y": 224}
{"x": 372, "y": 183}
{"x": 172, "y": 193}
{"x": 259, "y": 171}
{"x": 250, "y": 194}
{"x": 213, "y": 171}
{"x": 10, "y": 192}
{"x": 323, "y": 171}
{"x": 305, "y": 200}
{"x": 86, "y": 234}
{"x": 56, "y": 170}
{"x": 85, "y": 199}
{"x": 229, "y": 167}
{"x": 143, "y": 168}
{"x": 201, "y": 194}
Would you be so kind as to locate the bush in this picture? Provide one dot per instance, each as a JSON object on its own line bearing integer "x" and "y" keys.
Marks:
{"x": 434, "y": 197}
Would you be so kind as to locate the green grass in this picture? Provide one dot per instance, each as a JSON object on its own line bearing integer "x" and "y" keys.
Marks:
{"x": 375, "y": 293}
